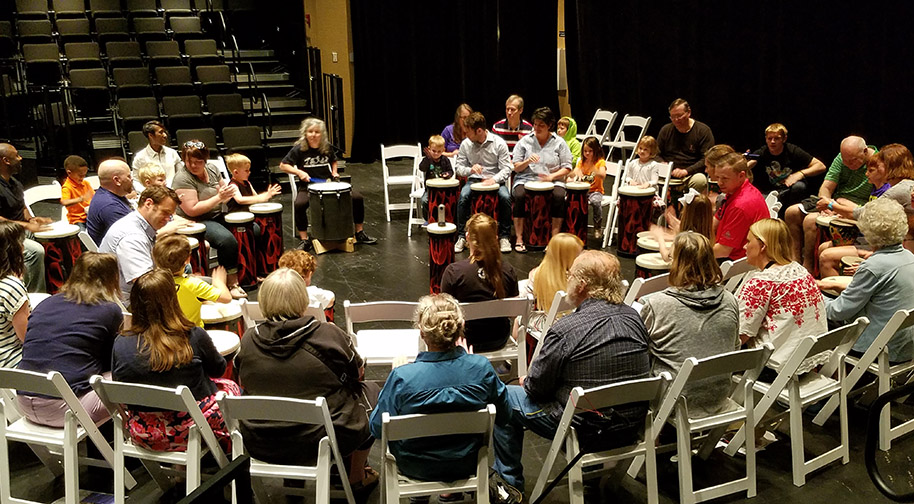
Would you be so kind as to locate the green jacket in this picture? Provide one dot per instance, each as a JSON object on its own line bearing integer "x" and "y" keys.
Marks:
{"x": 573, "y": 143}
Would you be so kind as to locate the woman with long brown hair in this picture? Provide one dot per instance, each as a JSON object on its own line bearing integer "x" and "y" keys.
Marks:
{"x": 162, "y": 347}
{"x": 14, "y": 299}
{"x": 454, "y": 133}
{"x": 73, "y": 332}
{"x": 482, "y": 277}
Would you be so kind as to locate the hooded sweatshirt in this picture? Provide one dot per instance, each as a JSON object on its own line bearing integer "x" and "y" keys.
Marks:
{"x": 683, "y": 323}
{"x": 273, "y": 360}
{"x": 573, "y": 143}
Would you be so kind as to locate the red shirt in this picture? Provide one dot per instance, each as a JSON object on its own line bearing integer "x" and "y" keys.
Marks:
{"x": 739, "y": 210}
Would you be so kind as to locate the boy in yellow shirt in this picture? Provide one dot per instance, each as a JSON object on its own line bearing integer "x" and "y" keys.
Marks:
{"x": 173, "y": 254}
{"x": 76, "y": 193}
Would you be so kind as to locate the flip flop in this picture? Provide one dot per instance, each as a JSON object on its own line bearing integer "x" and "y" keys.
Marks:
{"x": 520, "y": 248}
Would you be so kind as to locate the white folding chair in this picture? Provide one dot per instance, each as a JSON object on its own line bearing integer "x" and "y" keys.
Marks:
{"x": 664, "y": 173}
{"x": 403, "y": 427}
{"x": 675, "y": 410}
{"x": 637, "y": 123}
{"x": 876, "y": 360}
{"x": 593, "y": 130}
{"x": 281, "y": 409}
{"x": 252, "y": 315}
{"x": 801, "y": 390}
{"x": 395, "y": 152}
{"x": 734, "y": 272}
{"x": 560, "y": 304}
{"x": 94, "y": 182}
{"x": 115, "y": 395}
{"x": 511, "y": 308}
{"x": 774, "y": 206}
{"x": 87, "y": 241}
{"x": 643, "y": 286}
{"x": 611, "y": 202}
{"x": 44, "y": 192}
{"x": 382, "y": 346}
{"x": 78, "y": 425}
{"x": 599, "y": 398}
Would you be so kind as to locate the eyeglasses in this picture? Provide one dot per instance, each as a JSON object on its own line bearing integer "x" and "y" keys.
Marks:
{"x": 194, "y": 144}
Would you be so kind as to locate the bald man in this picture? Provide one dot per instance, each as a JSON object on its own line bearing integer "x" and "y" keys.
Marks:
{"x": 110, "y": 202}
{"x": 12, "y": 208}
{"x": 845, "y": 181}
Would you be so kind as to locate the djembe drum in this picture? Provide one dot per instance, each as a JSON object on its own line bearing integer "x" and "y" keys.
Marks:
{"x": 539, "y": 206}
{"x": 650, "y": 264}
{"x": 648, "y": 243}
{"x": 222, "y": 316}
{"x": 269, "y": 244}
{"x": 843, "y": 231}
{"x": 635, "y": 207}
{"x": 577, "y": 209}
{"x": 227, "y": 344}
{"x": 330, "y": 210}
{"x": 441, "y": 239}
{"x": 61, "y": 249}
{"x": 199, "y": 257}
{"x": 241, "y": 225}
{"x": 442, "y": 191}
{"x": 484, "y": 199}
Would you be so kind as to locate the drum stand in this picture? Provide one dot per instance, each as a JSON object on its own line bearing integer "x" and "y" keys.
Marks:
{"x": 321, "y": 247}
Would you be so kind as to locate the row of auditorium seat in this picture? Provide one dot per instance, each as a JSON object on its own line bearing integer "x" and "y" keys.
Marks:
{"x": 179, "y": 112}
{"x": 59, "y": 9}
{"x": 32, "y": 31}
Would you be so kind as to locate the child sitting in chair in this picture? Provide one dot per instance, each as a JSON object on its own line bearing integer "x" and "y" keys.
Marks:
{"x": 239, "y": 166}
{"x": 173, "y": 254}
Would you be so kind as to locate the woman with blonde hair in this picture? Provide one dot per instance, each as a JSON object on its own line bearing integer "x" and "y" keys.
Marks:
{"x": 443, "y": 379}
{"x": 162, "y": 347}
{"x": 482, "y": 277}
{"x": 73, "y": 332}
{"x": 694, "y": 317}
{"x": 551, "y": 276}
{"x": 291, "y": 354}
{"x": 780, "y": 303}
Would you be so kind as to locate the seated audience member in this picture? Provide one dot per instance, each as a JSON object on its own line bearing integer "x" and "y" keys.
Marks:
{"x": 483, "y": 158}
{"x": 697, "y": 216}
{"x": 162, "y": 348}
{"x": 550, "y": 277}
{"x": 110, "y": 201}
{"x": 455, "y": 132}
{"x": 73, "y": 332}
{"x": 434, "y": 165}
{"x": 76, "y": 193}
{"x": 891, "y": 171}
{"x": 713, "y": 159}
{"x": 157, "y": 151}
{"x": 131, "y": 238}
{"x": 591, "y": 167}
{"x": 684, "y": 142}
{"x": 567, "y": 129}
{"x": 14, "y": 299}
{"x": 883, "y": 284}
{"x": 482, "y": 277}
{"x": 513, "y": 127}
{"x": 239, "y": 166}
{"x": 644, "y": 171}
{"x": 602, "y": 342}
{"x": 312, "y": 157}
{"x": 693, "y": 317}
{"x": 293, "y": 355}
{"x": 443, "y": 379}
{"x": 844, "y": 182}
{"x": 13, "y": 208}
{"x": 540, "y": 156}
{"x": 783, "y": 167}
{"x": 305, "y": 265}
{"x": 781, "y": 302}
{"x": 148, "y": 174}
{"x": 742, "y": 207}
{"x": 172, "y": 253}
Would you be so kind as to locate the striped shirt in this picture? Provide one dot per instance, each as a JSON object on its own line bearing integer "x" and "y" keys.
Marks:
{"x": 12, "y": 296}
{"x": 511, "y": 136}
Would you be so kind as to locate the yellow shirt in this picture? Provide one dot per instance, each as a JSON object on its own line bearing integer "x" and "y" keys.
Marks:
{"x": 191, "y": 292}
{"x": 71, "y": 190}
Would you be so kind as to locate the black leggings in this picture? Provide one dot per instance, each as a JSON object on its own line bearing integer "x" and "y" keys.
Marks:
{"x": 304, "y": 199}
{"x": 519, "y": 194}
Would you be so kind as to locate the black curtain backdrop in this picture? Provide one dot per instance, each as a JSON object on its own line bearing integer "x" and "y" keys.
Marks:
{"x": 823, "y": 70}
{"x": 415, "y": 62}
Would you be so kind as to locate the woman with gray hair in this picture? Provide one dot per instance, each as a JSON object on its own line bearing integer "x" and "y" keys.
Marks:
{"x": 445, "y": 378}
{"x": 294, "y": 355}
{"x": 884, "y": 282}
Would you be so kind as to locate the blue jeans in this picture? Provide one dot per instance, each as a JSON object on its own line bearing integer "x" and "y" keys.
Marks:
{"x": 509, "y": 439}
{"x": 33, "y": 276}
{"x": 225, "y": 244}
{"x": 504, "y": 209}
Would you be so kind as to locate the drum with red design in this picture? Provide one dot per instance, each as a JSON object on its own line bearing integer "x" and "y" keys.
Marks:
{"x": 61, "y": 249}
{"x": 199, "y": 257}
{"x": 823, "y": 235}
{"x": 635, "y": 207}
{"x": 269, "y": 244}
{"x": 441, "y": 239}
{"x": 442, "y": 191}
{"x": 538, "y": 229}
{"x": 484, "y": 199}
{"x": 843, "y": 232}
{"x": 577, "y": 209}
{"x": 676, "y": 190}
{"x": 241, "y": 225}
{"x": 650, "y": 264}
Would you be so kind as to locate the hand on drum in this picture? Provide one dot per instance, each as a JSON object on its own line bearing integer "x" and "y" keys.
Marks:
{"x": 226, "y": 191}
{"x": 38, "y": 224}
{"x": 679, "y": 173}
{"x": 489, "y": 181}
{"x": 462, "y": 342}
{"x": 831, "y": 286}
{"x": 477, "y": 169}
{"x": 218, "y": 275}
{"x": 171, "y": 228}
{"x": 822, "y": 204}
{"x": 545, "y": 177}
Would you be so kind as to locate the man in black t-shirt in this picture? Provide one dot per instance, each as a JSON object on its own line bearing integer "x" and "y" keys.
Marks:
{"x": 13, "y": 208}
{"x": 783, "y": 167}
{"x": 684, "y": 142}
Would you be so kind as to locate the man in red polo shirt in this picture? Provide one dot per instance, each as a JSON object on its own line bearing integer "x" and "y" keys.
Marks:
{"x": 743, "y": 206}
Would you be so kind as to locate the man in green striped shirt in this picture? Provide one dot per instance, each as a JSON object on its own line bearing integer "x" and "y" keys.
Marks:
{"x": 844, "y": 180}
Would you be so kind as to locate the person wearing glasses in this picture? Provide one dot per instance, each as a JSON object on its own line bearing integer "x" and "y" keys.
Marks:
{"x": 157, "y": 152}
{"x": 204, "y": 195}
{"x": 684, "y": 142}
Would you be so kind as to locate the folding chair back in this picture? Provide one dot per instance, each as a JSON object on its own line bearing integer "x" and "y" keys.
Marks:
{"x": 401, "y": 177}
{"x": 399, "y": 428}
{"x": 560, "y": 304}
{"x": 614, "y": 170}
{"x": 664, "y": 173}
{"x": 511, "y": 308}
{"x": 252, "y": 314}
{"x": 637, "y": 125}
{"x": 604, "y": 118}
{"x": 382, "y": 346}
{"x": 43, "y": 192}
{"x": 643, "y": 286}
{"x": 734, "y": 272}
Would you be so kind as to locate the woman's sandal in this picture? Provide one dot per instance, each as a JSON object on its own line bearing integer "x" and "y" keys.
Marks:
{"x": 520, "y": 248}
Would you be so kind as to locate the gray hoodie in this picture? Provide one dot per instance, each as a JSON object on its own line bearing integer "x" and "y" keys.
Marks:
{"x": 692, "y": 323}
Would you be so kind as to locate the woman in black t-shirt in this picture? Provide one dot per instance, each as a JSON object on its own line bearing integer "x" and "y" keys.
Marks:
{"x": 312, "y": 159}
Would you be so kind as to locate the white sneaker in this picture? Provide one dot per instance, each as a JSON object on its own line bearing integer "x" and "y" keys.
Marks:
{"x": 460, "y": 245}
{"x": 504, "y": 245}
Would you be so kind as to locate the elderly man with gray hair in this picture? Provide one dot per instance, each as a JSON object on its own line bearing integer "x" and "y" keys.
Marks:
{"x": 884, "y": 282}
{"x": 602, "y": 342}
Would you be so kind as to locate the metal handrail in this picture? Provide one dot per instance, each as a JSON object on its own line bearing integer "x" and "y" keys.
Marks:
{"x": 265, "y": 111}
{"x": 872, "y": 440}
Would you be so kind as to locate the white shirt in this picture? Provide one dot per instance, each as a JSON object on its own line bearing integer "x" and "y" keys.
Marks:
{"x": 167, "y": 158}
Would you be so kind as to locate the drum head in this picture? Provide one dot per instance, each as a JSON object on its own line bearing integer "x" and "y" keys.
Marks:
{"x": 539, "y": 186}
{"x": 442, "y": 182}
{"x": 264, "y": 208}
{"x": 239, "y": 217}
{"x": 649, "y": 243}
{"x": 226, "y": 342}
{"x": 636, "y": 191}
{"x": 219, "y": 312}
{"x": 480, "y": 187}
{"x": 194, "y": 243}
{"x": 192, "y": 228}
{"x": 577, "y": 186}
{"x": 824, "y": 220}
{"x": 58, "y": 229}
{"x": 851, "y": 260}
{"x": 843, "y": 280}
{"x": 842, "y": 222}
{"x": 330, "y": 187}
{"x": 448, "y": 227}
{"x": 653, "y": 261}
